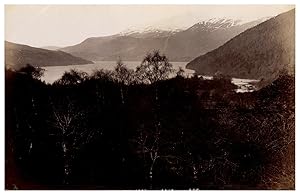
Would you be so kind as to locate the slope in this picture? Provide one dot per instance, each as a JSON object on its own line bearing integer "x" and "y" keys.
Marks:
{"x": 17, "y": 56}
{"x": 259, "y": 52}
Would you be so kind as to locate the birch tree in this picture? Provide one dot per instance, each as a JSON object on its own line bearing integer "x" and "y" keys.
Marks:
{"x": 152, "y": 147}
{"x": 72, "y": 77}
{"x": 123, "y": 76}
{"x": 154, "y": 67}
{"x": 71, "y": 133}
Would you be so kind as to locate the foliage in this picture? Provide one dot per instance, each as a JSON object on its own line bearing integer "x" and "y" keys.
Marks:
{"x": 72, "y": 78}
{"x": 75, "y": 134}
{"x": 154, "y": 67}
{"x": 123, "y": 74}
{"x": 180, "y": 72}
{"x": 33, "y": 72}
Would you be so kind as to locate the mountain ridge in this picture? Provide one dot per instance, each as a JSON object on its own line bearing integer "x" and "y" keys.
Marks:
{"x": 179, "y": 45}
{"x": 259, "y": 52}
{"x": 18, "y": 55}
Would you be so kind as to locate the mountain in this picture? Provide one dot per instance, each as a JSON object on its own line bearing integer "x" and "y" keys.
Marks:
{"x": 178, "y": 45}
{"x": 17, "y": 55}
{"x": 149, "y": 32}
{"x": 259, "y": 52}
{"x": 54, "y": 48}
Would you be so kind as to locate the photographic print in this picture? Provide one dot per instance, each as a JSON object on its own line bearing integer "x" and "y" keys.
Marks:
{"x": 150, "y": 97}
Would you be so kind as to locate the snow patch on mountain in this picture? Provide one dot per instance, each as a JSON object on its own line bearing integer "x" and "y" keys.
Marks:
{"x": 147, "y": 30}
{"x": 217, "y": 23}
{"x": 209, "y": 25}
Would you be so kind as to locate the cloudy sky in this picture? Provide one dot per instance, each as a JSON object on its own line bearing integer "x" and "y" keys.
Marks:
{"x": 64, "y": 25}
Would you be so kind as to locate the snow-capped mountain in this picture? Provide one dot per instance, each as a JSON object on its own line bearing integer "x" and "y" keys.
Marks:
{"x": 260, "y": 52}
{"x": 149, "y": 31}
{"x": 179, "y": 44}
{"x": 221, "y": 24}
{"x": 209, "y": 25}
{"x": 165, "y": 30}
{"x": 216, "y": 23}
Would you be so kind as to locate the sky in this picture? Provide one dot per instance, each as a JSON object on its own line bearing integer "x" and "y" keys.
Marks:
{"x": 65, "y": 25}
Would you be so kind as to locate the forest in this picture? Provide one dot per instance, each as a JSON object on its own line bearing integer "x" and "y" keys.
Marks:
{"x": 140, "y": 129}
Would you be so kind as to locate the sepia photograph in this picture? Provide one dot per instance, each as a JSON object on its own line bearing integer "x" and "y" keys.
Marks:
{"x": 149, "y": 97}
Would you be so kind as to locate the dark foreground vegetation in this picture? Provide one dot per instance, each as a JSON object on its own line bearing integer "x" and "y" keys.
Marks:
{"x": 139, "y": 130}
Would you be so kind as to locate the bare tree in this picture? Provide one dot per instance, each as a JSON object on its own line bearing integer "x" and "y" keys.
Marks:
{"x": 124, "y": 76}
{"x": 154, "y": 67}
{"x": 149, "y": 147}
{"x": 102, "y": 77}
{"x": 70, "y": 132}
{"x": 152, "y": 147}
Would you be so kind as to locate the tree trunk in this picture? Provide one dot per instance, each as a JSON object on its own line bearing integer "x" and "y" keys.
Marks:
{"x": 66, "y": 173}
{"x": 156, "y": 94}
{"x": 195, "y": 178}
{"x": 122, "y": 95}
{"x": 151, "y": 175}
{"x": 66, "y": 164}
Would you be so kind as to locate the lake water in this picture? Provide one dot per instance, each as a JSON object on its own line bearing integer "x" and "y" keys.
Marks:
{"x": 53, "y": 73}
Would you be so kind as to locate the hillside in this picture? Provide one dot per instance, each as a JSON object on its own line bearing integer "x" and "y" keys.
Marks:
{"x": 17, "y": 55}
{"x": 179, "y": 45}
{"x": 259, "y": 52}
